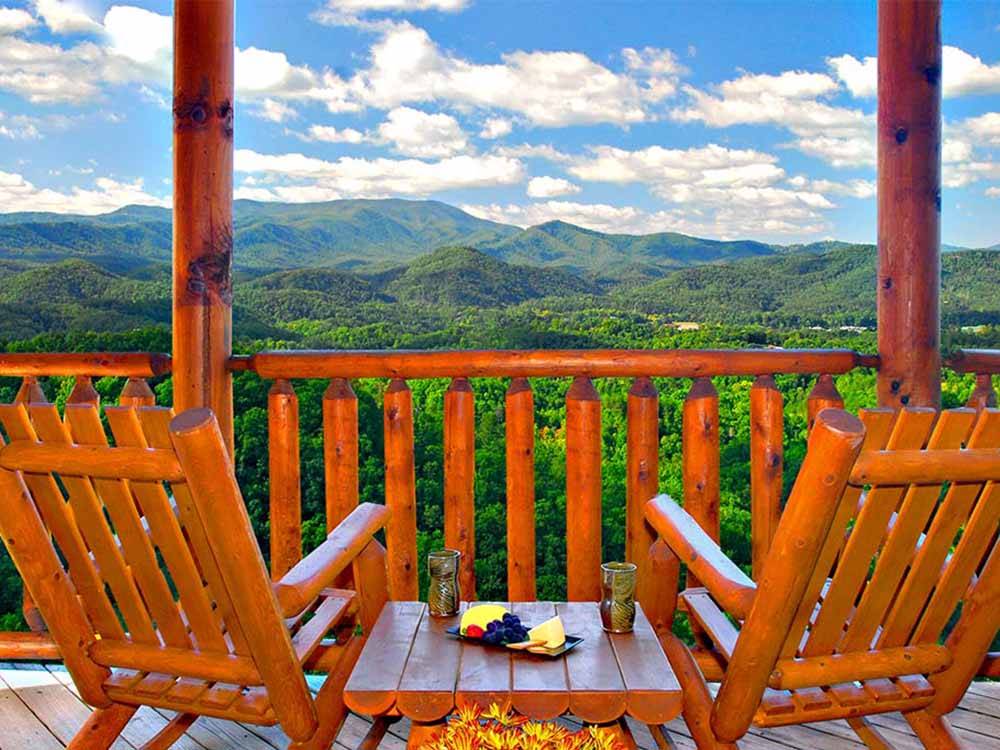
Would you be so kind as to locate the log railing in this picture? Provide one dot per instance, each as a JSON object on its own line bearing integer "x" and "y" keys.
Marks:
{"x": 32, "y": 369}
{"x": 583, "y": 446}
{"x": 984, "y": 364}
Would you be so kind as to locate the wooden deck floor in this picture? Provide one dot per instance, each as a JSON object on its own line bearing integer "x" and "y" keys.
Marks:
{"x": 39, "y": 710}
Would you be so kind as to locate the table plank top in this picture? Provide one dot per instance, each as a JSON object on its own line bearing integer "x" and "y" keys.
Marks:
{"x": 411, "y": 666}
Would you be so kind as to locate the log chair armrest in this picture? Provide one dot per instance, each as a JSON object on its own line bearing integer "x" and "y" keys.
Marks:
{"x": 300, "y": 586}
{"x": 727, "y": 584}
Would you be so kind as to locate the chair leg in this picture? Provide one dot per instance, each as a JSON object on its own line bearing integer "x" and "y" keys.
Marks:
{"x": 697, "y": 699}
{"x": 102, "y": 728}
{"x": 934, "y": 732}
{"x": 868, "y": 734}
{"x": 329, "y": 702}
{"x": 172, "y": 732}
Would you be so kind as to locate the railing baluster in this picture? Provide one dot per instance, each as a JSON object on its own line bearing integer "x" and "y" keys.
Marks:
{"x": 766, "y": 465}
{"x": 824, "y": 395}
{"x": 340, "y": 450}
{"x": 137, "y": 393}
{"x": 983, "y": 396}
{"x": 642, "y": 477}
{"x": 284, "y": 473}
{"x": 521, "y": 552}
{"x": 459, "y": 480}
{"x": 700, "y": 455}
{"x": 400, "y": 491}
{"x": 84, "y": 392}
{"x": 30, "y": 392}
{"x": 583, "y": 491}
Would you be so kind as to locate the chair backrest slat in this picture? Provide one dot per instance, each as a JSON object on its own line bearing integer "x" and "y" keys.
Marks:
{"x": 929, "y": 561}
{"x": 951, "y": 431}
{"x": 166, "y": 530}
{"x": 59, "y": 520}
{"x": 88, "y": 514}
{"x": 124, "y": 513}
{"x": 878, "y": 426}
{"x": 911, "y": 430}
{"x": 156, "y": 425}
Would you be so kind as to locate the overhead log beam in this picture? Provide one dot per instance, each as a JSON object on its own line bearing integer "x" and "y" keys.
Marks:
{"x": 909, "y": 202}
{"x": 203, "y": 207}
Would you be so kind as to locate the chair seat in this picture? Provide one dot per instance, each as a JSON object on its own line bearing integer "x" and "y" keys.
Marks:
{"x": 783, "y": 707}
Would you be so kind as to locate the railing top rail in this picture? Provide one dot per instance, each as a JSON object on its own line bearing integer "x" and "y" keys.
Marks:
{"x": 597, "y": 363}
{"x": 976, "y": 361}
{"x": 94, "y": 364}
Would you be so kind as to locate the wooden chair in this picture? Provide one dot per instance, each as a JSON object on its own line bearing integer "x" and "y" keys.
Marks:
{"x": 143, "y": 562}
{"x": 881, "y": 591}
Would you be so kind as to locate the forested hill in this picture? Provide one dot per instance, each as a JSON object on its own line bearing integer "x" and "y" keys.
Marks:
{"x": 785, "y": 289}
{"x": 356, "y": 235}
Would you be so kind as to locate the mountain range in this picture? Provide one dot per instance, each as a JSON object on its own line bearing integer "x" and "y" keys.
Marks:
{"x": 365, "y": 261}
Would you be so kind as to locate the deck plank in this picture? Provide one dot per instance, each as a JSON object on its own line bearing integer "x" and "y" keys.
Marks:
{"x": 40, "y": 710}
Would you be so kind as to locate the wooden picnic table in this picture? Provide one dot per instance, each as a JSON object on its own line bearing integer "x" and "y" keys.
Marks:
{"x": 411, "y": 667}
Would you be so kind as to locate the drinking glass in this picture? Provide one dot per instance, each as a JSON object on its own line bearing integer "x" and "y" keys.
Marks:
{"x": 618, "y": 597}
{"x": 443, "y": 595}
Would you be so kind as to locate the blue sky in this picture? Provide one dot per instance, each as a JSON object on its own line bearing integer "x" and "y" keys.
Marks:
{"x": 721, "y": 119}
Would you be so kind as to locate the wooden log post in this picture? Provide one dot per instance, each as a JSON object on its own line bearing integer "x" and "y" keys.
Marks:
{"x": 203, "y": 208}
{"x": 284, "y": 477}
{"x": 400, "y": 491}
{"x": 340, "y": 450}
{"x": 642, "y": 478}
{"x": 700, "y": 458}
{"x": 521, "y": 552}
{"x": 583, "y": 492}
{"x": 137, "y": 393}
{"x": 459, "y": 480}
{"x": 84, "y": 392}
{"x": 700, "y": 455}
{"x": 824, "y": 395}
{"x": 767, "y": 456}
{"x": 909, "y": 202}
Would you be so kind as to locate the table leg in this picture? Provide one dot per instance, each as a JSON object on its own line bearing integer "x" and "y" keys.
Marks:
{"x": 420, "y": 733}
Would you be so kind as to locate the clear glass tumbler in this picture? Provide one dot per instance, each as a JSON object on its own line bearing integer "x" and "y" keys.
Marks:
{"x": 618, "y": 597}
{"x": 443, "y": 594}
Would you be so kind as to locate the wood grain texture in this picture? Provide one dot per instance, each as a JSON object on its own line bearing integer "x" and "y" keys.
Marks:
{"x": 642, "y": 476}
{"x": 284, "y": 480}
{"x": 340, "y": 450}
{"x": 427, "y": 687}
{"x": 460, "y": 480}
{"x": 400, "y": 491}
{"x": 538, "y": 686}
{"x": 596, "y": 689}
{"x": 767, "y": 458}
{"x": 520, "y": 458}
{"x": 583, "y": 492}
{"x": 909, "y": 202}
{"x": 484, "y": 675}
{"x": 653, "y": 694}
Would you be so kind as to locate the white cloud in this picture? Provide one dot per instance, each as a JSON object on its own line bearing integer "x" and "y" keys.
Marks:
{"x": 15, "y": 19}
{"x": 962, "y": 74}
{"x": 415, "y": 133}
{"x": 857, "y": 188}
{"x": 496, "y": 127}
{"x": 296, "y": 174}
{"x": 993, "y": 192}
{"x": 66, "y": 17}
{"x": 985, "y": 128}
{"x": 362, "y": 6}
{"x": 532, "y": 151}
{"x": 550, "y": 89}
{"x": 18, "y": 128}
{"x": 273, "y": 111}
{"x": 106, "y": 194}
{"x": 330, "y": 134}
{"x": 550, "y": 187}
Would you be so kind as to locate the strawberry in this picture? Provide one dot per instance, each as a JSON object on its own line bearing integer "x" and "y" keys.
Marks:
{"x": 474, "y": 631}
